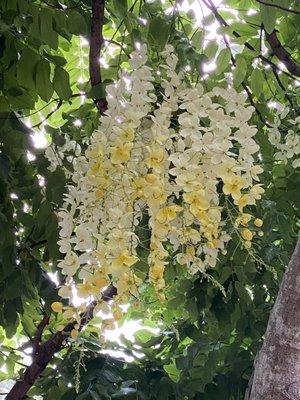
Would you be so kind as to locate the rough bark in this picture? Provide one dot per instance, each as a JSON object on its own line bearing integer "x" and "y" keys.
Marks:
{"x": 277, "y": 365}
{"x": 96, "y": 42}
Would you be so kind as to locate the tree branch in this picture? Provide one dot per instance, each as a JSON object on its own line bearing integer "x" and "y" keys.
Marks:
{"x": 249, "y": 94}
{"x": 209, "y": 4}
{"x": 282, "y": 54}
{"x": 96, "y": 42}
{"x": 38, "y": 335}
{"x": 290, "y": 10}
{"x": 44, "y": 352}
{"x": 41, "y": 358}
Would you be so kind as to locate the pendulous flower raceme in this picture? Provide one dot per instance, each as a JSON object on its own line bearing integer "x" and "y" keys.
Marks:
{"x": 286, "y": 140}
{"x": 166, "y": 162}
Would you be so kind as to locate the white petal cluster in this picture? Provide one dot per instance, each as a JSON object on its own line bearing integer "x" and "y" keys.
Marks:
{"x": 166, "y": 161}
{"x": 286, "y": 142}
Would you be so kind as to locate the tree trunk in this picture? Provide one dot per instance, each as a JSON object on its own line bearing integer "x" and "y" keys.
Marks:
{"x": 277, "y": 366}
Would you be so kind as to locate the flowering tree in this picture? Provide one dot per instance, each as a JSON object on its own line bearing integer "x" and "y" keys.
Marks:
{"x": 149, "y": 168}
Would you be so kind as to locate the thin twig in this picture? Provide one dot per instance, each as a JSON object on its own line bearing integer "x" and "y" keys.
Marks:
{"x": 209, "y": 4}
{"x": 58, "y": 105}
{"x": 290, "y": 10}
{"x": 249, "y": 94}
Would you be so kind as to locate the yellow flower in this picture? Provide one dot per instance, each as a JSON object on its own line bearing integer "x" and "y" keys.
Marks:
{"x": 233, "y": 185}
{"x": 256, "y": 191}
{"x": 213, "y": 244}
{"x": 121, "y": 153}
{"x": 247, "y": 234}
{"x": 74, "y": 334}
{"x": 197, "y": 201}
{"x": 192, "y": 234}
{"x": 127, "y": 135}
{"x": 124, "y": 259}
{"x": 95, "y": 152}
{"x": 87, "y": 289}
{"x": 243, "y": 219}
{"x": 150, "y": 178}
{"x": 243, "y": 201}
{"x": 156, "y": 157}
{"x": 57, "y": 307}
{"x": 99, "y": 193}
{"x": 157, "y": 271}
{"x": 190, "y": 251}
{"x": 139, "y": 186}
{"x": 96, "y": 168}
{"x": 118, "y": 315}
{"x": 100, "y": 282}
{"x": 258, "y": 222}
{"x": 247, "y": 244}
{"x": 168, "y": 213}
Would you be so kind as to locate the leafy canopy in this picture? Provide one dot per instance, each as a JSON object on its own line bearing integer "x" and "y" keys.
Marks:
{"x": 206, "y": 342}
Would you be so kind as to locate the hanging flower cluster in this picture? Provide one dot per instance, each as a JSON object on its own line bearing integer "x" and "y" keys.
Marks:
{"x": 286, "y": 141}
{"x": 168, "y": 154}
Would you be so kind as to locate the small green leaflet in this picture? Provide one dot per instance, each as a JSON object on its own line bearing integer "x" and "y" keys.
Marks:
{"x": 268, "y": 17}
{"x": 61, "y": 83}
{"x": 257, "y": 82}
{"x": 239, "y": 72}
{"x": 42, "y": 80}
{"x": 158, "y": 32}
{"x": 222, "y": 61}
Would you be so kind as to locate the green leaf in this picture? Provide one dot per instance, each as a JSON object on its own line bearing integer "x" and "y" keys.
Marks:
{"x": 25, "y": 219}
{"x": 61, "y": 83}
{"x": 172, "y": 371}
{"x": 143, "y": 335}
{"x": 58, "y": 60}
{"x": 98, "y": 91}
{"x": 197, "y": 39}
{"x": 120, "y": 7}
{"x": 257, "y": 82}
{"x": 26, "y": 67}
{"x": 76, "y": 23}
{"x": 222, "y": 61}
{"x": 240, "y": 71}
{"x": 211, "y": 49}
{"x": 158, "y": 32}
{"x": 4, "y": 167}
{"x": 242, "y": 293}
{"x": 268, "y": 17}
{"x": 48, "y": 35}
{"x": 42, "y": 80}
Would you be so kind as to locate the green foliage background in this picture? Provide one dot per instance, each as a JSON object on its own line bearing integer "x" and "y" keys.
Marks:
{"x": 208, "y": 342}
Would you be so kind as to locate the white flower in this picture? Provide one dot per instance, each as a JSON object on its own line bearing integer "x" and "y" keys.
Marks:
{"x": 70, "y": 264}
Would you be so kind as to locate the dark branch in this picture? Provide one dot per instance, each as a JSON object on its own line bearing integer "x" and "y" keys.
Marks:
{"x": 96, "y": 42}
{"x": 282, "y": 54}
{"x": 281, "y": 85}
{"x": 44, "y": 352}
{"x": 290, "y": 10}
{"x": 247, "y": 90}
{"x": 209, "y": 4}
{"x": 38, "y": 335}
